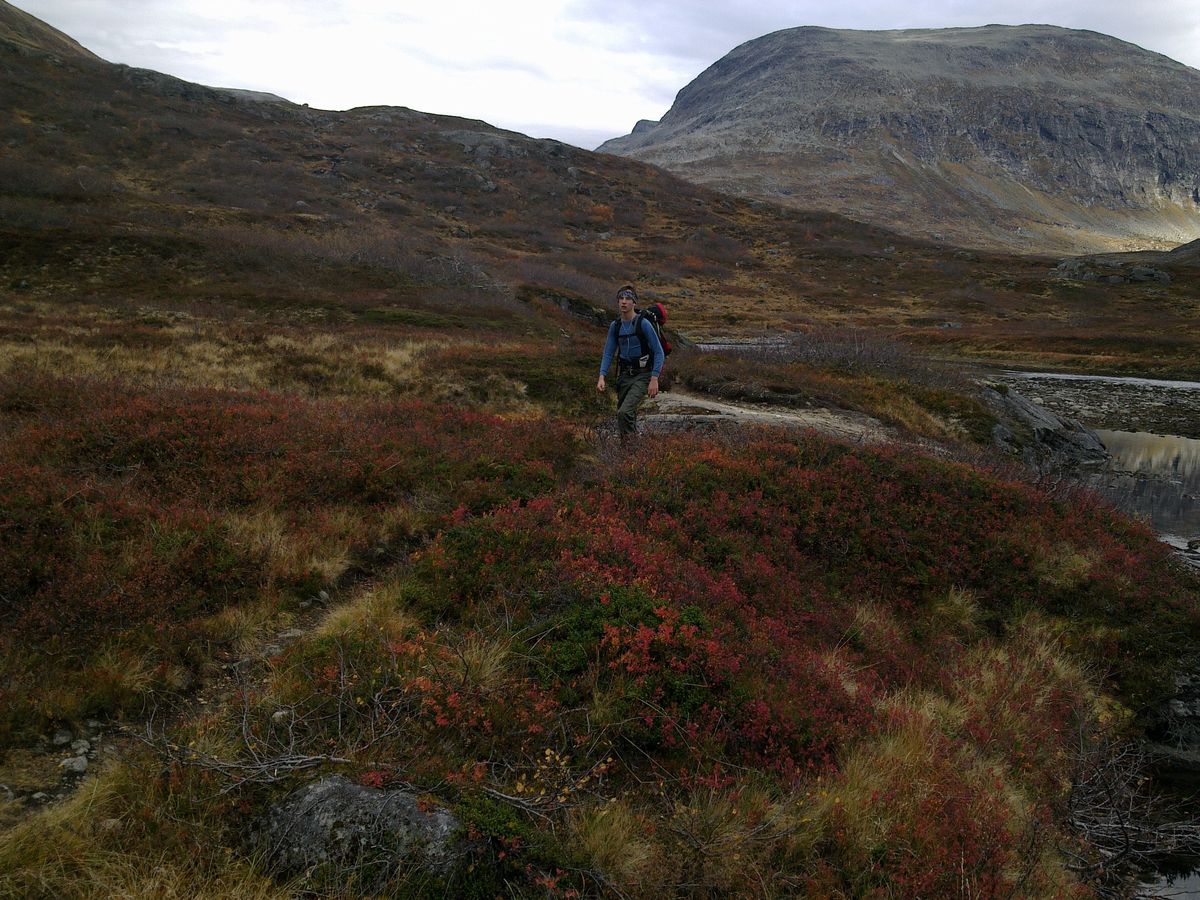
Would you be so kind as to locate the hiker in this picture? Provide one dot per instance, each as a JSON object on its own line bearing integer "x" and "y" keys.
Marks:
{"x": 639, "y": 355}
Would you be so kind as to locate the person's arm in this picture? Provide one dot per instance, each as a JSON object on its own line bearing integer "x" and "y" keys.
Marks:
{"x": 610, "y": 348}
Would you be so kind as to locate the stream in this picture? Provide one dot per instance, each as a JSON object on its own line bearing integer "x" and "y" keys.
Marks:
{"x": 1151, "y": 429}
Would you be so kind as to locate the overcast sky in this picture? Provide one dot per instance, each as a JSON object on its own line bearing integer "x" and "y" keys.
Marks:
{"x": 581, "y": 71}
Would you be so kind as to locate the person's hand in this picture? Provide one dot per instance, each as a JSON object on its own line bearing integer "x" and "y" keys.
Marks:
{"x": 653, "y": 392}
{"x": 600, "y": 384}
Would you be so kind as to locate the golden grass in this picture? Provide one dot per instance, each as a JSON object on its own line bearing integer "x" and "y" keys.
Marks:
{"x": 95, "y": 844}
{"x": 244, "y": 627}
{"x": 289, "y": 549}
{"x": 481, "y": 662}
{"x": 740, "y": 842}
{"x": 378, "y": 610}
{"x": 612, "y": 838}
{"x": 195, "y": 352}
{"x": 1064, "y": 567}
{"x": 957, "y": 612}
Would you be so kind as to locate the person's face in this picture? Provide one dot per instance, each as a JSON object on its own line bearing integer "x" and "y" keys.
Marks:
{"x": 625, "y": 305}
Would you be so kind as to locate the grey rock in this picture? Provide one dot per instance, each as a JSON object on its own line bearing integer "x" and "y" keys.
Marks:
{"x": 485, "y": 145}
{"x": 336, "y": 822}
{"x": 75, "y": 765}
{"x": 40, "y": 797}
{"x": 280, "y": 716}
{"x": 1051, "y": 438}
{"x": 271, "y": 650}
{"x": 61, "y": 738}
{"x": 292, "y": 634}
{"x": 81, "y": 746}
{"x": 1146, "y": 273}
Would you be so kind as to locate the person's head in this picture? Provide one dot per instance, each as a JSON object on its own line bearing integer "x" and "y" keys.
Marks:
{"x": 627, "y": 299}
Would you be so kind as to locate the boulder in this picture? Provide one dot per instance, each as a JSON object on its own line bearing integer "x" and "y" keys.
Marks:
{"x": 335, "y": 824}
{"x": 1050, "y": 437}
{"x": 75, "y": 765}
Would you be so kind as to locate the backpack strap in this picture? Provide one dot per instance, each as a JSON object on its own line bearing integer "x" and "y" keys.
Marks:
{"x": 637, "y": 329}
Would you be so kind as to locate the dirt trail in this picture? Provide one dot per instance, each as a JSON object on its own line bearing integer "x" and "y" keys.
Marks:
{"x": 680, "y": 409}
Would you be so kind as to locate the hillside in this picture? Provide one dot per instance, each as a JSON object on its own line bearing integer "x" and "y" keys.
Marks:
{"x": 123, "y": 182}
{"x": 322, "y": 572}
{"x": 23, "y": 31}
{"x": 1032, "y": 138}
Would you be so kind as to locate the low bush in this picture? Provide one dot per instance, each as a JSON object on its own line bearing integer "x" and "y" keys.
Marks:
{"x": 130, "y": 516}
{"x": 856, "y": 670}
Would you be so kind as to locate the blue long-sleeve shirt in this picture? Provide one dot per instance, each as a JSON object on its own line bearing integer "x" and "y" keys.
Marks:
{"x": 621, "y": 335}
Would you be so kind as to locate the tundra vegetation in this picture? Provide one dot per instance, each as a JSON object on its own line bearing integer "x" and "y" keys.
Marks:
{"x": 765, "y": 663}
{"x": 254, "y": 355}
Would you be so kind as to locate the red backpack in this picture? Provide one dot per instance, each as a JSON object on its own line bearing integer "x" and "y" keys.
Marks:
{"x": 656, "y": 315}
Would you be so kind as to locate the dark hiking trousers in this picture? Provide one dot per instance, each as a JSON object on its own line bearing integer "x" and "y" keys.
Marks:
{"x": 631, "y": 391}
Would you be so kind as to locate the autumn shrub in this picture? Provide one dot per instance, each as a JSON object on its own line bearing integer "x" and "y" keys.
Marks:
{"x": 854, "y": 669}
{"x": 132, "y": 515}
{"x": 772, "y": 547}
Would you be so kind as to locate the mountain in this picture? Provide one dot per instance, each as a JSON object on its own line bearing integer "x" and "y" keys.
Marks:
{"x": 124, "y": 185}
{"x": 33, "y": 35}
{"x": 1019, "y": 137}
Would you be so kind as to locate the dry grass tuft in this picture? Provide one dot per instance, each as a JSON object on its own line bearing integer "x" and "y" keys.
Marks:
{"x": 244, "y": 627}
{"x": 957, "y": 612}
{"x": 376, "y": 611}
{"x": 737, "y": 842}
{"x": 1064, "y": 567}
{"x": 480, "y": 662}
{"x": 613, "y": 840}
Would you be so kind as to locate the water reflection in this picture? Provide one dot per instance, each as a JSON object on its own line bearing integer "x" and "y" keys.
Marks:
{"x": 1155, "y": 477}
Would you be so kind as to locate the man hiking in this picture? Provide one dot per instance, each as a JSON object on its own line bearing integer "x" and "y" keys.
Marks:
{"x": 639, "y": 356}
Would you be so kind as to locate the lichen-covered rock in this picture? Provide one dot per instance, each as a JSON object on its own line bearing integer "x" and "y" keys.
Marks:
{"x": 336, "y": 824}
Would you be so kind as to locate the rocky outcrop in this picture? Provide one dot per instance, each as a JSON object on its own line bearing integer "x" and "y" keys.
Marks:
{"x": 1028, "y": 137}
{"x": 1041, "y": 438}
{"x": 336, "y": 825}
{"x": 1085, "y": 268}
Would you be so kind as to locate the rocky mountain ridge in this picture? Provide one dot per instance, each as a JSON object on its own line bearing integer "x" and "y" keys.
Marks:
{"x": 1027, "y": 137}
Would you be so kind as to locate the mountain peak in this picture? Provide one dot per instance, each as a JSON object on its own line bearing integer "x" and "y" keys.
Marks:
{"x": 1012, "y": 136}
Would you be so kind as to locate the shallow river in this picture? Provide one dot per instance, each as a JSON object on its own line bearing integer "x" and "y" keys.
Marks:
{"x": 1156, "y": 478}
{"x": 1152, "y": 430}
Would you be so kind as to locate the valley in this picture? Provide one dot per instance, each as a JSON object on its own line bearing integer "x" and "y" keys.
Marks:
{"x": 311, "y": 519}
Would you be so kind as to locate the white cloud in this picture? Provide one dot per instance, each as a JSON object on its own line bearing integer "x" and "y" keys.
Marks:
{"x": 578, "y": 68}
